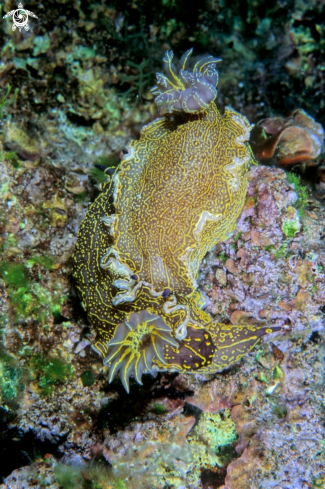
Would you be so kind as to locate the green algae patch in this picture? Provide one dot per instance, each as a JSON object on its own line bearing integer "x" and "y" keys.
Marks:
{"x": 223, "y": 257}
{"x": 16, "y": 279}
{"x": 11, "y": 382}
{"x": 278, "y": 373}
{"x": 301, "y": 190}
{"x": 159, "y": 409}
{"x": 30, "y": 299}
{"x": 101, "y": 164}
{"x": 5, "y": 99}
{"x": 50, "y": 371}
{"x": 280, "y": 411}
{"x": 318, "y": 482}
{"x": 98, "y": 175}
{"x": 291, "y": 224}
{"x": 217, "y": 433}
{"x": 45, "y": 261}
{"x": 14, "y": 274}
{"x": 88, "y": 378}
{"x": 282, "y": 251}
{"x": 12, "y": 377}
{"x": 35, "y": 301}
{"x": 291, "y": 228}
{"x": 93, "y": 476}
{"x": 105, "y": 162}
{"x": 41, "y": 45}
{"x": 12, "y": 157}
{"x": 82, "y": 197}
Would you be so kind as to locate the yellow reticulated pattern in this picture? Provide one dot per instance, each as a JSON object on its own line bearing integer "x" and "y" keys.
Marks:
{"x": 177, "y": 192}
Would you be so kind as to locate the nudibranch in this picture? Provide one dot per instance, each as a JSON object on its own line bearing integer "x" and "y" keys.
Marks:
{"x": 177, "y": 192}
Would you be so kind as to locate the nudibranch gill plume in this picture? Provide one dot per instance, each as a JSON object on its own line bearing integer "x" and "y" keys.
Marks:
{"x": 177, "y": 191}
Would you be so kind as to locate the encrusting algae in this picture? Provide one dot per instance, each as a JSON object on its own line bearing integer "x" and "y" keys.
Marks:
{"x": 176, "y": 193}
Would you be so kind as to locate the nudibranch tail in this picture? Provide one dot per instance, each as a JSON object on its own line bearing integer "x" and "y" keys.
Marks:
{"x": 137, "y": 342}
{"x": 235, "y": 341}
{"x": 184, "y": 89}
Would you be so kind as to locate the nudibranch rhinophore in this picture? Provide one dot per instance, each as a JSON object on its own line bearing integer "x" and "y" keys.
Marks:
{"x": 176, "y": 193}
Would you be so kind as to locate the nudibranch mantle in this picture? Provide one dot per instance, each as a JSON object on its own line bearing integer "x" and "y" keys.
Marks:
{"x": 177, "y": 192}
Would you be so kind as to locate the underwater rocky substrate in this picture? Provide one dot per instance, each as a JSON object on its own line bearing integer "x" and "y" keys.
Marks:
{"x": 271, "y": 270}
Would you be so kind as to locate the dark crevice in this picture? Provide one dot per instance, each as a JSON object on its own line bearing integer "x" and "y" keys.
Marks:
{"x": 79, "y": 120}
{"x": 18, "y": 450}
{"x": 191, "y": 410}
{"x": 316, "y": 337}
{"x": 213, "y": 479}
{"x": 118, "y": 414}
